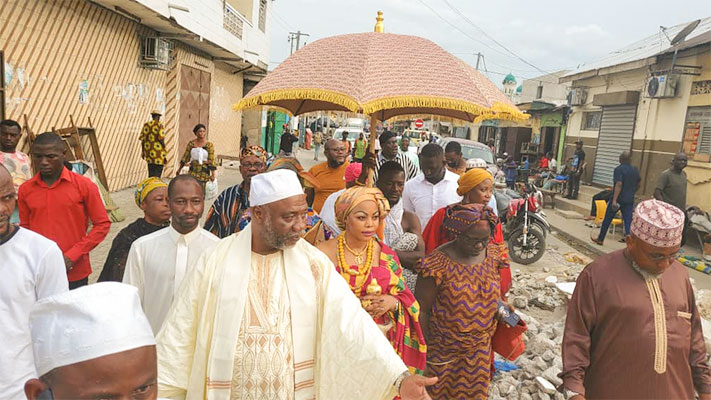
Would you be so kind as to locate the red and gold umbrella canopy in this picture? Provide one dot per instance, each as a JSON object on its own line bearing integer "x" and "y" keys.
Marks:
{"x": 382, "y": 75}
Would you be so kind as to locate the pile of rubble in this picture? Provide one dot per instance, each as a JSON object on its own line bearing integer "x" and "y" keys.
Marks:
{"x": 540, "y": 299}
{"x": 539, "y": 293}
{"x": 542, "y": 290}
{"x": 539, "y": 366}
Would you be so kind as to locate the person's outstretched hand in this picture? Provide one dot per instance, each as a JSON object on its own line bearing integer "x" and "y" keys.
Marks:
{"x": 413, "y": 387}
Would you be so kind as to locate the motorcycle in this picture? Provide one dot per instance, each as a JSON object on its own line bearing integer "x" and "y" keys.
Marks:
{"x": 523, "y": 222}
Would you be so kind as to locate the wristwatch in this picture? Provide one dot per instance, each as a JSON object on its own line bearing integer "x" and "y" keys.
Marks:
{"x": 398, "y": 381}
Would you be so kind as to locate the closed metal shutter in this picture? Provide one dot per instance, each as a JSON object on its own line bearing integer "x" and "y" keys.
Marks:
{"x": 616, "y": 130}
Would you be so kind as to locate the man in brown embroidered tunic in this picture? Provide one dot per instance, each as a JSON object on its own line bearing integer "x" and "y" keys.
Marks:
{"x": 633, "y": 329}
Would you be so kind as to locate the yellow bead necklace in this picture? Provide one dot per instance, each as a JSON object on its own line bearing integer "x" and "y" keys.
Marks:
{"x": 360, "y": 272}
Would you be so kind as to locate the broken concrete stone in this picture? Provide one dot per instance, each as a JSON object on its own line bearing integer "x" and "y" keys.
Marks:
{"x": 540, "y": 364}
{"x": 551, "y": 374}
{"x": 543, "y": 302}
{"x": 520, "y": 302}
{"x": 545, "y": 386}
{"x": 548, "y": 356}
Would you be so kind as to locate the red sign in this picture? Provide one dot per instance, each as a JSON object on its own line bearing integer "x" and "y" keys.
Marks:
{"x": 419, "y": 123}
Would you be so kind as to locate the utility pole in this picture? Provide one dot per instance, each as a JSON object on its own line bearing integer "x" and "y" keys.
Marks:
{"x": 478, "y": 57}
{"x": 296, "y": 36}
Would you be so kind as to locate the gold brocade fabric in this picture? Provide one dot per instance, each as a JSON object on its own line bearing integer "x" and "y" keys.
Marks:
{"x": 264, "y": 365}
{"x": 153, "y": 142}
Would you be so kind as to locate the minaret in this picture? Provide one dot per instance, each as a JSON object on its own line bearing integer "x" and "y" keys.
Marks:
{"x": 509, "y": 86}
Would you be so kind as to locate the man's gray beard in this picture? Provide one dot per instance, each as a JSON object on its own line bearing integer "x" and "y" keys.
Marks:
{"x": 274, "y": 239}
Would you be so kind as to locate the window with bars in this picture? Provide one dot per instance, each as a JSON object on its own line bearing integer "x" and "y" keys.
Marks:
{"x": 232, "y": 22}
{"x": 591, "y": 121}
{"x": 697, "y": 133}
{"x": 262, "y": 15}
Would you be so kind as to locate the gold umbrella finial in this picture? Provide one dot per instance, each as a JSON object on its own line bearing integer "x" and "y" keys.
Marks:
{"x": 379, "y": 26}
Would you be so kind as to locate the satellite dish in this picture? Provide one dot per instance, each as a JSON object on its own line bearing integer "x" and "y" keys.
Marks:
{"x": 685, "y": 32}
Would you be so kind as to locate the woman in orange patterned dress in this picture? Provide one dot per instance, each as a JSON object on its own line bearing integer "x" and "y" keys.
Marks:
{"x": 458, "y": 289}
{"x": 374, "y": 274}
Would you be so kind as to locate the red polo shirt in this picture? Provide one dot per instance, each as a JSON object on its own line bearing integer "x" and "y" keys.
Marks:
{"x": 61, "y": 213}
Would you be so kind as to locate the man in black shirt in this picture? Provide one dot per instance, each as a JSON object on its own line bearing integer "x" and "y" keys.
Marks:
{"x": 286, "y": 144}
{"x": 575, "y": 171}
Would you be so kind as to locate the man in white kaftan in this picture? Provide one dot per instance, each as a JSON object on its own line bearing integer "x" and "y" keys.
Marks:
{"x": 265, "y": 315}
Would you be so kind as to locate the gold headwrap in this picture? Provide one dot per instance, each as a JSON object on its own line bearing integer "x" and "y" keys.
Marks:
{"x": 350, "y": 199}
{"x": 294, "y": 165}
{"x": 470, "y": 179}
{"x": 146, "y": 186}
{"x": 254, "y": 151}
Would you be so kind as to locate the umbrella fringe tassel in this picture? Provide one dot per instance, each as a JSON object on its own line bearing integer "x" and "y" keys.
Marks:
{"x": 416, "y": 101}
{"x": 503, "y": 112}
{"x": 298, "y": 94}
{"x": 497, "y": 111}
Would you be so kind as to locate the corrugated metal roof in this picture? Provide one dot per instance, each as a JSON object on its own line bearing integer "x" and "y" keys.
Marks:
{"x": 648, "y": 47}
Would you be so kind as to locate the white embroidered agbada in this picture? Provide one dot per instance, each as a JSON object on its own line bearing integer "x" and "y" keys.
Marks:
{"x": 338, "y": 351}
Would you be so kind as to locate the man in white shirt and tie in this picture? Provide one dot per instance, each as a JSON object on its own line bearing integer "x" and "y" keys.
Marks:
{"x": 433, "y": 189}
{"x": 157, "y": 263}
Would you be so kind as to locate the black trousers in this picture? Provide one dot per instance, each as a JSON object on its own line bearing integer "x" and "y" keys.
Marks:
{"x": 77, "y": 284}
{"x": 155, "y": 170}
{"x": 573, "y": 185}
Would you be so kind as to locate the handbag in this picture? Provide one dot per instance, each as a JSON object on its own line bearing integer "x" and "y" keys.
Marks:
{"x": 211, "y": 189}
{"x": 508, "y": 340}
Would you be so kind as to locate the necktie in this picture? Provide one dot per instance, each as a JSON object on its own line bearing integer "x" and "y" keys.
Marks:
{"x": 181, "y": 263}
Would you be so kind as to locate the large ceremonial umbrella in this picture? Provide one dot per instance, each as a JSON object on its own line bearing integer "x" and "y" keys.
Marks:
{"x": 381, "y": 75}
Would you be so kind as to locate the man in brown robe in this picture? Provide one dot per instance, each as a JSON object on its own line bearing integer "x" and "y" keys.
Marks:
{"x": 633, "y": 330}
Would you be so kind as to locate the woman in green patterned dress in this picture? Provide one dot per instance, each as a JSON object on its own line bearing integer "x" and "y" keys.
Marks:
{"x": 200, "y": 155}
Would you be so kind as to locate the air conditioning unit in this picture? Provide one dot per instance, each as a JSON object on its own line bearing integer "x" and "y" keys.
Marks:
{"x": 661, "y": 86}
{"x": 577, "y": 96}
{"x": 156, "y": 53}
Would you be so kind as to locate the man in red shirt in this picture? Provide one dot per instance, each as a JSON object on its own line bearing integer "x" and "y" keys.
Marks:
{"x": 58, "y": 204}
{"x": 543, "y": 162}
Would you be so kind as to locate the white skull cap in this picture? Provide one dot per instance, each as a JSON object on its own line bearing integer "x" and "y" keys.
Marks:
{"x": 273, "y": 186}
{"x": 87, "y": 323}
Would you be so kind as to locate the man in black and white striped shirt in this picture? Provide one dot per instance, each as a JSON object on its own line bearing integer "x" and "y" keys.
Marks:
{"x": 390, "y": 152}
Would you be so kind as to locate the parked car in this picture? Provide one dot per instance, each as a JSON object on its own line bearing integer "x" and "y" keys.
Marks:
{"x": 353, "y": 133}
{"x": 415, "y": 135}
{"x": 473, "y": 149}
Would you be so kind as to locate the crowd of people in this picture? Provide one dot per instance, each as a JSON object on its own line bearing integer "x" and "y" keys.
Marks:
{"x": 376, "y": 279}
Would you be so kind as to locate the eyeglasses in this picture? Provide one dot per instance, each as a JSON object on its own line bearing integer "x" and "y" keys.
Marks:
{"x": 253, "y": 165}
{"x": 661, "y": 257}
{"x": 475, "y": 241}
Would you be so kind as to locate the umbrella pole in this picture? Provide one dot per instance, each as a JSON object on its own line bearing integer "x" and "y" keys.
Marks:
{"x": 371, "y": 146}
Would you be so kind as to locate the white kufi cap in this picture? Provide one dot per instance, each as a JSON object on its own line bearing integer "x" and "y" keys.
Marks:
{"x": 274, "y": 186}
{"x": 476, "y": 163}
{"x": 86, "y": 323}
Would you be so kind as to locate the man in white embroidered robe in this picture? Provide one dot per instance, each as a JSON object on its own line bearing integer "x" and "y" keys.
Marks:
{"x": 633, "y": 330}
{"x": 265, "y": 315}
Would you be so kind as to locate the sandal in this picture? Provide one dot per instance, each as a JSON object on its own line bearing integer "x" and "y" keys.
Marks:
{"x": 597, "y": 242}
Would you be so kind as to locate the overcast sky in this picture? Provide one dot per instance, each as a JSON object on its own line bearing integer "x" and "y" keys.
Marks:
{"x": 549, "y": 34}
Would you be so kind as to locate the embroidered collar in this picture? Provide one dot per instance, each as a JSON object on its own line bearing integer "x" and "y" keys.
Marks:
{"x": 645, "y": 275}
